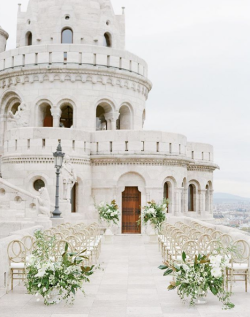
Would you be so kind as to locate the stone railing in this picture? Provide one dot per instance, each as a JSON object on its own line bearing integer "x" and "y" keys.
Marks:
{"x": 200, "y": 151}
{"x": 44, "y": 141}
{"x": 77, "y": 143}
{"x": 76, "y": 56}
{"x": 19, "y": 202}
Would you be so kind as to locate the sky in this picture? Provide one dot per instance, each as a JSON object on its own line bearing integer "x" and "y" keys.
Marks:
{"x": 198, "y": 53}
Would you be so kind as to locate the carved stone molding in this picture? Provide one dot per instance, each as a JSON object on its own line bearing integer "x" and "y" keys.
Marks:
{"x": 202, "y": 168}
{"x": 138, "y": 161}
{"x": 104, "y": 77}
{"x": 41, "y": 160}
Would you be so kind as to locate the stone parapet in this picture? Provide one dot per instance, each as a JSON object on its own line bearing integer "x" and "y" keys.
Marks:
{"x": 72, "y": 56}
{"x": 147, "y": 147}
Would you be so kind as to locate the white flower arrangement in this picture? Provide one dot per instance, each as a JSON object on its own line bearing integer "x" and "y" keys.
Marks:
{"x": 154, "y": 213}
{"x": 48, "y": 277}
{"x": 109, "y": 212}
{"x": 194, "y": 279}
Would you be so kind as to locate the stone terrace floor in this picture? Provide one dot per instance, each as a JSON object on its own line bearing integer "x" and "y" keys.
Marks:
{"x": 130, "y": 285}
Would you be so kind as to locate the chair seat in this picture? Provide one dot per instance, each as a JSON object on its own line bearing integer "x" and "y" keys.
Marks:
{"x": 17, "y": 266}
{"x": 239, "y": 266}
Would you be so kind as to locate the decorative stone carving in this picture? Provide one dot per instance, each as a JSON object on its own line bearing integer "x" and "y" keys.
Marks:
{"x": 69, "y": 178}
{"x": 21, "y": 117}
{"x": 43, "y": 203}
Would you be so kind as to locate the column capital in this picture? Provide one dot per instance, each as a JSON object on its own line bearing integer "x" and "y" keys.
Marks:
{"x": 202, "y": 191}
{"x": 55, "y": 111}
{"x": 112, "y": 116}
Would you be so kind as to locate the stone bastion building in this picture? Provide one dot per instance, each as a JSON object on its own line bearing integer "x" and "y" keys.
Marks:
{"x": 71, "y": 79}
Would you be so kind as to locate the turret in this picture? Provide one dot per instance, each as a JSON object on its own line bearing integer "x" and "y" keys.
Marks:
{"x": 3, "y": 39}
{"x": 90, "y": 22}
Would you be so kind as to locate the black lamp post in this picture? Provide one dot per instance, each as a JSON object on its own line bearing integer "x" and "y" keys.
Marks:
{"x": 58, "y": 155}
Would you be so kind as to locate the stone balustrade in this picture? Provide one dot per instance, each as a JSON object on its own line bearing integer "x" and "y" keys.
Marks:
{"x": 72, "y": 56}
{"x": 78, "y": 143}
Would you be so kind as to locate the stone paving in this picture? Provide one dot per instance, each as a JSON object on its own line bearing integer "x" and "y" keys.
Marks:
{"x": 130, "y": 285}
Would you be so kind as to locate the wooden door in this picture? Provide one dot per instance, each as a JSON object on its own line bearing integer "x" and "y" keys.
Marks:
{"x": 131, "y": 210}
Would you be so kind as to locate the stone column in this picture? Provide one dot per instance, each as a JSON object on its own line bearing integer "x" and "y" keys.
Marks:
{"x": 211, "y": 202}
{"x": 111, "y": 118}
{"x": 202, "y": 205}
{"x": 178, "y": 195}
{"x": 184, "y": 201}
{"x": 56, "y": 114}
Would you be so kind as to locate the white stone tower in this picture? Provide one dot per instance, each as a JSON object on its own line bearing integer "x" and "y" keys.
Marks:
{"x": 71, "y": 79}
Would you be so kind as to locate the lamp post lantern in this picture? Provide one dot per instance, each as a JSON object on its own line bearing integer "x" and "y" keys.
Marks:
{"x": 58, "y": 155}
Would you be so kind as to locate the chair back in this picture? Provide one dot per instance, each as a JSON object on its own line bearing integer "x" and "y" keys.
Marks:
{"x": 28, "y": 242}
{"x": 16, "y": 252}
{"x": 59, "y": 248}
{"x": 203, "y": 241}
{"x": 242, "y": 251}
{"x": 216, "y": 235}
{"x": 213, "y": 247}
{"x": 191, "y": 249}
{"x": 74, "y": 242}
{"x": 226, "y": 240}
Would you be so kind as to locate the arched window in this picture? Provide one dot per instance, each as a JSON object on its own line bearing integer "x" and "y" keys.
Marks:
{"x": 191, "y": 193}
{"x": 107, "y": 40}
{"x": 124, "y": 121}
{"x": 168, "y": 193}
{"x": 45, "y": 118}
{"x": 14, "y": 108}
{"x": 104, "y": 117}
{"x": 166, "y": 190}
{"x": 73, "y": 199}
{"x": 101, "y": 123}
{"x": 28, "y": 39}
{"x": 66, "y": 120}
{"x": 67, "y": 36}
{"x": 207, "y": 199}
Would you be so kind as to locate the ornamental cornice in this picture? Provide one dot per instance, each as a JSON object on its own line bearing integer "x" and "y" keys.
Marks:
{"x": 138, "y": 161}
{"x": 202, "y": 168}
{"x": 103, "y": 76}
{"x": 40, "y": 160}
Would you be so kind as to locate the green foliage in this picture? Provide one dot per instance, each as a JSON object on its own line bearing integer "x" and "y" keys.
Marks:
{"x": 154, "y": 213}
{"x": 109, "y": 212}
{"x": 195, "y": 279}
{"x": 46, "y": 276}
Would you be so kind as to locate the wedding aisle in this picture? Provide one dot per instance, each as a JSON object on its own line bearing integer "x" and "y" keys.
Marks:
{"x": 129, "y": 285}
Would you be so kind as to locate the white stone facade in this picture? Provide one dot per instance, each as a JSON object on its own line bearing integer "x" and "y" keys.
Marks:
{"x": 93, "y": 99}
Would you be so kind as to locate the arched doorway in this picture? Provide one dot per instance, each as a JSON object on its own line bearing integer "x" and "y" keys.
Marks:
{"x": 191, "y": 197}
{"x": 131, "y": 210}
